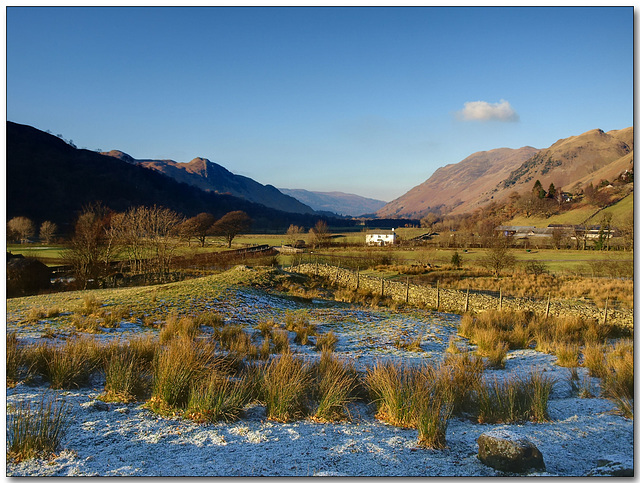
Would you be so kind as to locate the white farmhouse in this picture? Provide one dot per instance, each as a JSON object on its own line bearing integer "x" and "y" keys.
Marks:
{"x": 381, "y": 237}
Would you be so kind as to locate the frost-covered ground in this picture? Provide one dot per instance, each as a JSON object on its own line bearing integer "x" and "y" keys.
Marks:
{"x": 127, "y": 439}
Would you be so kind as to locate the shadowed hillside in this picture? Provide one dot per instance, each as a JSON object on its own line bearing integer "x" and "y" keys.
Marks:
{"x": 209, "y": 176}
{"x": 47, "y": 179}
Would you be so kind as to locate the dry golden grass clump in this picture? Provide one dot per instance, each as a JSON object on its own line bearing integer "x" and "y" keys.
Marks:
{"x": 217, "y": 398}
{"x": 286, "y": 384}
{"x": 176, "y": 368}
{"x": 176, "y": 326}
{"x": 326, "y": 342}
{"x": 514, "y": 399}
{"x": 335, "y": 384}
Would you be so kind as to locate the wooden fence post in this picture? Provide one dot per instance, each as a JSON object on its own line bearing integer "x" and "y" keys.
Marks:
{"x": 406, "y": 300}
{"x": 358, "y": 278}
{"x": 437, "y": 294}
{"x": 337, "y": 272}
{"x": 500, "y": 299}
{"x": 316, "y": 266}
{"x": 546, "y": 316}
{"x": 382, "y": 287}
{"x": 466, "y": 302}
{"x": 606, "y": 309}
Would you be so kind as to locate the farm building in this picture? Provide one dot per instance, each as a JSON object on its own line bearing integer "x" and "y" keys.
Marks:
{"x": 381, "y": 237}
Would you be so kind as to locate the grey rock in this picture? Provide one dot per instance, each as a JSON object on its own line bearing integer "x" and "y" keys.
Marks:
{"x": 507, "y": 451}
{"x": 613, "y": 465}
{"x": 96, "y": 405}
{"x": 123, "y": 410}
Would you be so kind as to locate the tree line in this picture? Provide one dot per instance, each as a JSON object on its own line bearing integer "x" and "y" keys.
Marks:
{"x": 144, "y": 238}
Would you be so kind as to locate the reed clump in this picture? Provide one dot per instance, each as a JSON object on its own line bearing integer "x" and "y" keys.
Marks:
{"x": 217, "y": 398}
{"x": 285, "y": 387}
{"x": 176, "y": 368}
{"x": 36, "y": 429}
{"x": 335, "y": 383}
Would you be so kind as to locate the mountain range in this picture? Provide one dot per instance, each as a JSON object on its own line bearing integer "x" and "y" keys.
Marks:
{"x": 336, "y": 201}
{"x": 208, "y": 176}
{"x": 487, "y": 176}
{"x": 49, "y": 179}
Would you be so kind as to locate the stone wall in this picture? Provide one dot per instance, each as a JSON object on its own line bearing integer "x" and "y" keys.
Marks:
{"x": 458, "y": 301}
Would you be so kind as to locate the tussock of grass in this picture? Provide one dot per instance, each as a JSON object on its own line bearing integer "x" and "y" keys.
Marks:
{"x": 217, "y": 398}
{"x": 326, "y": 342}
{"x": 281, "y": 341}
{"x": 568, "y": 354}
{"x": 336, "y": 382}
{"x": 514, "y": 399}
{"x": 126, "y": 379}
{"x": 66, "y": 366}
{"x": 14, "y": 359}
{"x": 35, "y": 430}
{"x": 286, "y": 383}
{"x": 176, "y": 326}
{"x": 392, "y": 388}
{"x": 209, "y": 319}
{"x": 177, "y": 367}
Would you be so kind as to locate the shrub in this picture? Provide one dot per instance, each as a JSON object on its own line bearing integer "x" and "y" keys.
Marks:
{"x": 286, "y": 383}
{"x": 217, "y": 398}
{"x": 36, "y": 431}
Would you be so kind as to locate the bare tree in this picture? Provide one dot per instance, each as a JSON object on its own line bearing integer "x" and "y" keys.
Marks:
{"x": 293, "y": 234}
{"x": 320, "y": 234}
{"x": 498, "y": 258}
{"x": 21, "y": 228}
{"x": 48, "y": 230}
{"x": 231, "y": 225}
{"x": 161, "y": 226}
{"x": 198, "y": 227}
{"x": 88, "y": 252}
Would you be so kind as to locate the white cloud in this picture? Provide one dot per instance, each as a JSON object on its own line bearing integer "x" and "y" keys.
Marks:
{"x": 485, "y": 111}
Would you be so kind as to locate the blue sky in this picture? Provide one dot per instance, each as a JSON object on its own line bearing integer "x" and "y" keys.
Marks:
{"x": 363, "y": 100}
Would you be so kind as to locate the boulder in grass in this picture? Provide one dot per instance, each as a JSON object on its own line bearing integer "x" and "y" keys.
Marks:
{"x": 507, "y": 451}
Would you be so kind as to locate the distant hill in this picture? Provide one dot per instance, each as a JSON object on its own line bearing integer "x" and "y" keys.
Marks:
{"x": 47, "y": 179}
{"x": 492, "y": 175}
{"x": 460, "y": 185}
{"x": 208, "y": 176}
{"x": 336, "y": 201}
